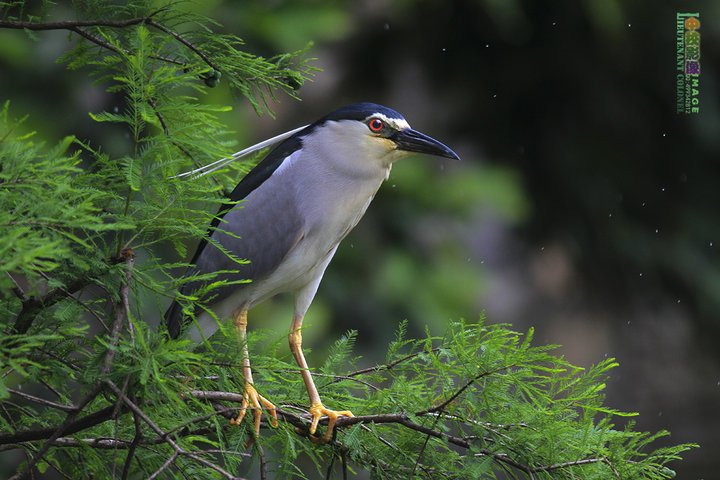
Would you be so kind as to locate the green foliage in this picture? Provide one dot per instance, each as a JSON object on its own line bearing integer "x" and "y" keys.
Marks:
{"x": 88, "y": 387}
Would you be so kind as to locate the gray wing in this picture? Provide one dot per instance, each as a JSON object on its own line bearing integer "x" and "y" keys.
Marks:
{"x": 262, "y": 229}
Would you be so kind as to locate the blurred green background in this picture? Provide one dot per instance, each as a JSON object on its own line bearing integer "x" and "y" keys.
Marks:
{"x": 584, "y": 206}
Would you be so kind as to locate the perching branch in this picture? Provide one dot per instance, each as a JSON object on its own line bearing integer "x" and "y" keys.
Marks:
{"x": 302, "y": 425}
{"x": 300, "y": 422}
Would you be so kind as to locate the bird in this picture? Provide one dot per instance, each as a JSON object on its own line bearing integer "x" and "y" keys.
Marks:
{"x": 286, "y": 217}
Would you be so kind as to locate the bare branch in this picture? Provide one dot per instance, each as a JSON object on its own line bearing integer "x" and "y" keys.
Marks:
{"x": 120, "y": 312}
{"x": 458, "y": 392}
{"x": 33, "y": 305}
{"x": 129, "y": 258}
{"x": 184, "y": 41}
{"x": 389, "y": 366}
{"x": 263, "y": 462}
{"x": 97, "y": 40}
{"x": 133, "y": 447}
{"x": 42, "y": 401}
{"x": 79, "y": 302}
{"x": 17, "y": 289}
{"x": 59, "y": 431}
{"x": 77, "y": 26}
{"x": 33, "y": 435}
{"x": 559, "y": 466}
{"x": 99, "y": 443}
{"x": 164, "y": 466}
{"x": 168, "y": 439}
{"x": 70, "y": 24}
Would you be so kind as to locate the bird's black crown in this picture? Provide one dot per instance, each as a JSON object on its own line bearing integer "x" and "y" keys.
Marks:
{"x": 360, "y": 111}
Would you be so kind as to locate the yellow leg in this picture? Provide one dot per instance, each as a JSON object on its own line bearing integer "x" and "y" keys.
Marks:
{"x": 317, "y": 410}
{"x": 251, "y": 398}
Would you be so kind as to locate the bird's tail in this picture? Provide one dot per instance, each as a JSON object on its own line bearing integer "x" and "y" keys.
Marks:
{"x": 174, "y": 319}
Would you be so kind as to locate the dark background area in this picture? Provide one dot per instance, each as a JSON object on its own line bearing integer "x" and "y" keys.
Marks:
{"x": 584, "y": 206}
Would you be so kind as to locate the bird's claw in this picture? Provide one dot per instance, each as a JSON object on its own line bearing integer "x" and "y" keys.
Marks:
{"x": 318, "y": 411}
{"x": 252, "y": 400}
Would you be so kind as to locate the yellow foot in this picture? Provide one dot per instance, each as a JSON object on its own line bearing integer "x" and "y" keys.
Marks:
{"x": 251, "y": 401}
{"x": 318, "y": 411}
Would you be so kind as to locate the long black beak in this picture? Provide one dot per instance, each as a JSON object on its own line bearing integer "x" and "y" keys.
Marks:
{"x": 413, "y": 141}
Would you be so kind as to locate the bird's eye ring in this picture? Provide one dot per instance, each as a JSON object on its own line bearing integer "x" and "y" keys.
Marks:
{"x": 376, "y": 125}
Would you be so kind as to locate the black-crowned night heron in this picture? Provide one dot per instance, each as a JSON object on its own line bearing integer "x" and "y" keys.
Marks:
{"x": 297, "y": 205}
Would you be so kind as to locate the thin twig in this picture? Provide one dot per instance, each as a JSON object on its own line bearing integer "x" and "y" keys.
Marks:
{"x": 424, "y": 446}
{"x": 50, "y": 387}
{"x": 391, "y": 365}
{"x": 79, "y": 302}
{"x": 559, "y": 466}
{"x": 78, "y": 27}
{"x": 184, "y": 425}
{"x": 343, "y": 457}
{"x": 215, "y": 451}
{"x": 178, "y": 450}
{"x": 394, "y": 447}
{"x": 182, "y": 40}
{"x": 164, "y": 466}
{"x": 129, "y": 258}
{"x": 459, "y": 391}
{"x": 120, "y": 314}
{"x": 33, "y": 305}
{"x": 17, "y": 289}
{"x": 42, "y": 401}
{"x": 328, "y": 473}
{"x": 133, "y": 447}
{"x": 99, "y": 443}
{"x": 70, "y": 24}
{"x": 33, "y": 435}
{"x": 263, "y": 461}
{"x": 98, "y": 41}
{"x": 59, "y": 431}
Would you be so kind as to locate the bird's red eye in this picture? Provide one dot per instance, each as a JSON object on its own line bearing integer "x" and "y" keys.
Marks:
{"x": 376, "y": 125}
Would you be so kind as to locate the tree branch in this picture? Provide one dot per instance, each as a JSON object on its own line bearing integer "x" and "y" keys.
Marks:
{"x": 71, "y": 24}
{"x": 389, "y": 366}
{"x": 129, "y": 258}
{"x": 76, "y": 426}
{"x": 182, "y": 40}
{"x": 178, "y": 450}
{"x": 302, "y": 424}
{"x": 42, "y": 401}
{"x": 33, "y": 305}
{"x": 120, "y": 311}
{"x": 137, "y": 439}
{"x": 59, "y": 431}
{"x": 164, "y": 466}
{"x": 459, "y": 391}
{"x": 77, "y": 26}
